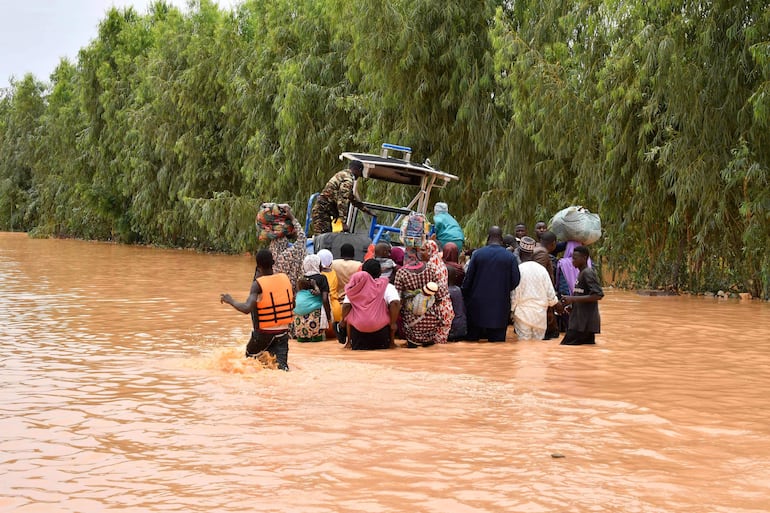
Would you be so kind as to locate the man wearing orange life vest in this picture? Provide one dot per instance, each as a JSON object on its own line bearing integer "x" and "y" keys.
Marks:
{"x": 270, "y": 304}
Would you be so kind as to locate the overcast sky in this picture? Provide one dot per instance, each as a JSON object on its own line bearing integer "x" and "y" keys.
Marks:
{"x": 36, "y": 34}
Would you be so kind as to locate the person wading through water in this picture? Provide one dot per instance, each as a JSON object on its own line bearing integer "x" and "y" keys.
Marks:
{"x": 270, "y": 304}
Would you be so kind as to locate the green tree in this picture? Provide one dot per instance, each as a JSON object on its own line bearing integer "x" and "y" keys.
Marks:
{"x": 62, "y": 209}
{"x": 20, "y": 110}
{"x": 424, "y": 70}
{"x": 108, "y": 67}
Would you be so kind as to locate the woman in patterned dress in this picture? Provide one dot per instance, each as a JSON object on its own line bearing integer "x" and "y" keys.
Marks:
{"x": 310, "y": 327}
{"x": 289, "y": 256}
{"x": 446, "y": 312}
{"x": 428, "y": 328}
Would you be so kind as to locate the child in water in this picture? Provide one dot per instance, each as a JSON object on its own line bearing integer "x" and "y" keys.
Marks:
{"x": 308, "y": 296}
{"x": 382, "y": 253}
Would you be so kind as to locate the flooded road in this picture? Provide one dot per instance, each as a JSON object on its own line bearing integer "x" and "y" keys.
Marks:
{"x": 123, "y": 389}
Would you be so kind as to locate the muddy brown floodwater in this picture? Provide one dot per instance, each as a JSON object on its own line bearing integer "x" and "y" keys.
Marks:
{"x": 123, "y": 389}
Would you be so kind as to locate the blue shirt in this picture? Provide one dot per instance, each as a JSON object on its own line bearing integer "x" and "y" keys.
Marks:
{"x": 447, "y": 229}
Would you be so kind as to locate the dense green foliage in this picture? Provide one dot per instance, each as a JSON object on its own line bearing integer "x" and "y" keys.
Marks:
{"x": 173, "y": 126}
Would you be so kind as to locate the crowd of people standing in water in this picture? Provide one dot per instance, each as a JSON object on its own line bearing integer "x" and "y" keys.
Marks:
{"x": 429, "y": 290}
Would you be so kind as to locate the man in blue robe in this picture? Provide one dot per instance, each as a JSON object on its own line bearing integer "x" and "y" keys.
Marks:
{"x": 493, "y": 273}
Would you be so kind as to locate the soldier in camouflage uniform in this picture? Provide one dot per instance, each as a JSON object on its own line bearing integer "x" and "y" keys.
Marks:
{"x": 336, "y": 197}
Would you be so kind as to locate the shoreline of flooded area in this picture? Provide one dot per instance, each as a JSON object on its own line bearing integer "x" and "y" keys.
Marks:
{"x": 124, "y": 389}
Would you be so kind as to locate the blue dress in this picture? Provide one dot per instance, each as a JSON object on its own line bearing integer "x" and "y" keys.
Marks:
{"x": 448, "y": 230}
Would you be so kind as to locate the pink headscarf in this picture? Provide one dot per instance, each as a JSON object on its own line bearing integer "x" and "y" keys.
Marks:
{"x": 397, "y": 254}
{"x": 369, "y": 312}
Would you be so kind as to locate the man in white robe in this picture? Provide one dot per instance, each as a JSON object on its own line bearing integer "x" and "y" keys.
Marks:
{"x": 534, "y": 294}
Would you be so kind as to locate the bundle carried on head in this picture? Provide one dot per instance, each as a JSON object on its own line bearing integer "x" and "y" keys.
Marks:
{"x": 576, "y": 223}
{"x": 274, "y": 222}
{"x": 413, "y": 230}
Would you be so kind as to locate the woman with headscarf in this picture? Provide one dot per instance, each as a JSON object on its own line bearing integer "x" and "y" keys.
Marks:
{"x": 431, "y": 326}
{"x": 310, "y": 326}
{"x": 446, "y": 228}
{"x": 451, "y": 257}
{"x": 288, "y": 256}
{"x": 326, "y": 258}
{"x": 446, "y": 311}
{"x": 397, "y": 254}
{"x": 370, "y": 309}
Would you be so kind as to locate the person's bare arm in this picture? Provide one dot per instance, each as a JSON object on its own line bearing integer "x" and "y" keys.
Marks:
{"x": 327, "y": 306}
{"x": 395, "y": 309}
{"x": 301, "y": 236}
{"x": 595, "y": 292}
{"x": 346, "y": 308}
{"x": 591, "y": 298}
{"x": 247, "y": 306}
